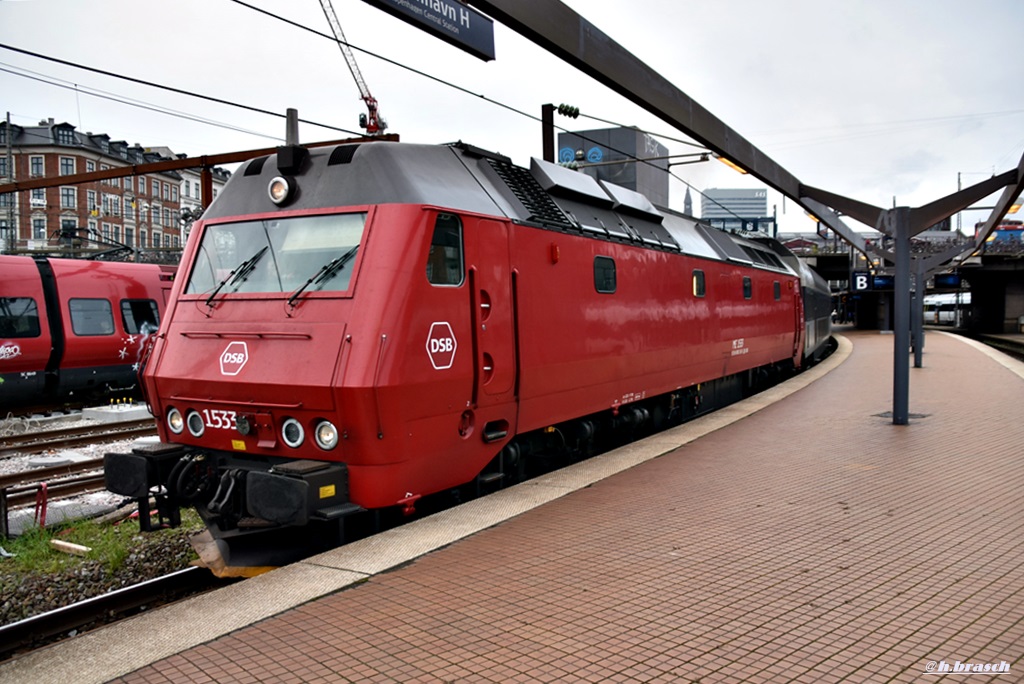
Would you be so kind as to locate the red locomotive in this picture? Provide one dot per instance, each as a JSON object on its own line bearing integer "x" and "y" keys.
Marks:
{"x": 360, "y": 326}
{"x": 73, "y": 330}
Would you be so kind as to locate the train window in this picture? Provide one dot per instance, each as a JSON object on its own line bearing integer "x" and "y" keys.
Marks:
{"x": 748, "y": 288}
{"x": 91, "y": 317}
{"x": 699, "y": 288}
{"x": 777, "y": 290}
{"x": 604, "y": 275}
{"x": 301, "y": 254}
{"x": 19, "y": 317}
{"x": 140, "y": 316}
{"x": 444, "y": 261}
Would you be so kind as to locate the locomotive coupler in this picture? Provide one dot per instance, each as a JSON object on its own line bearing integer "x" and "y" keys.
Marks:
{"x": 141, "y": 475}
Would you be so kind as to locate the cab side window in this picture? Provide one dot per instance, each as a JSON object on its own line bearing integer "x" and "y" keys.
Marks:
{"x": 444, "y": 262}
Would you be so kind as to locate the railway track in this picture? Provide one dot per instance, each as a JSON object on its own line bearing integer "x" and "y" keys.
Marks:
{"x": 20, "y": 489}
{"x": 115, "y": 605}
{"x": 66, "y": 438}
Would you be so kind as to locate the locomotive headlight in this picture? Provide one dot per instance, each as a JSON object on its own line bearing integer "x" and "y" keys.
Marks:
{"x": 326, "y": 435}
{"x": 292, "y": 432}
{"x": 195, "y": 424}
{"x": 280, "y": 189}
{"x": 175, "y": 422}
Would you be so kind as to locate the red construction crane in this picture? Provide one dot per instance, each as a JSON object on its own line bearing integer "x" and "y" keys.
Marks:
{"x": 373, "y": 122}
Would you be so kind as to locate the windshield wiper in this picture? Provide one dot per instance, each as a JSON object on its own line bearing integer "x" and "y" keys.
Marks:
{"x": 241, "y": 272}
{"x": 325, "y": 273}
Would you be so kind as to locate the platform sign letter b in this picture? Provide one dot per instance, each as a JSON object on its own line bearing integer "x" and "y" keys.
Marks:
{"x": 861, "y": 281}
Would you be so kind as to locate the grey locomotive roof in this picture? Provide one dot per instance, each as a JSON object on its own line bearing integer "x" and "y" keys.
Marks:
{"x": 461, "y": 177}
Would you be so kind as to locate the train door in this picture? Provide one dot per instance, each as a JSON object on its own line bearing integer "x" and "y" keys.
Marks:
{"x": 800, "y": 326}
{"x": 492, "y": 314}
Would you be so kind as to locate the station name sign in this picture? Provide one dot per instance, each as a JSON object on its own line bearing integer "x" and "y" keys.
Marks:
{"x": 449, "y": 20}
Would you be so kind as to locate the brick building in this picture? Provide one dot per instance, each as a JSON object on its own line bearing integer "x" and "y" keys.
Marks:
{"x": 142, "y": 212}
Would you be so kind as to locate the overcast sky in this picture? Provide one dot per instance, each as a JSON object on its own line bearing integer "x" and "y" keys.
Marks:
{"x": 879, "y": 100}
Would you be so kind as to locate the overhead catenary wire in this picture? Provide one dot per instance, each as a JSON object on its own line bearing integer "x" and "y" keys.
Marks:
{"x": 179, "y": 91}
{"x": 120, "y": 99}
{"x": 362, "y": 50}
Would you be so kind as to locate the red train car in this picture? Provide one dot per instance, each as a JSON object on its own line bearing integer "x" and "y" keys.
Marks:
{"x": 359, "y": 327}
{"x": 72, "y": 330}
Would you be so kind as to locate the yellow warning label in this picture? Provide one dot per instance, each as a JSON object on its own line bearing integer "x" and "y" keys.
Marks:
{"x": 238, "y": 445}
{"x": 327, "y": 491}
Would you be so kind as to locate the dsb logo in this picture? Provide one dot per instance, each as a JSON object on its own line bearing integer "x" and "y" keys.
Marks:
{"x": 444, "y": 345}
{"x": 441, "y": 346}
{"x": 233, "y": 358}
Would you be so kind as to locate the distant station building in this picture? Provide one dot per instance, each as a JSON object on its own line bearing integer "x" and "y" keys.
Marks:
{"x": 612, "y": 154}
{"x": 142, "y": 212}
{"x": 737, "y": 209}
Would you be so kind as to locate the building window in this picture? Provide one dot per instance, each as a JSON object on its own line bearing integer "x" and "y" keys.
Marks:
{"x": 7, "y": 199}
{"x": 142, "y": 237}
{"x": 156, "y": 188}
{"x": 748, "y": 288}
{"x": 604, "y": 275}
{"x": 699, "y": 288}
{"x": 167, "y": 217}
{"x": 68, "y": 227}
{"x": 38, "y": 198}
{"x": 174, "y": 193}
{"x": 65, "y": 136}
{"x": 90, "y": 196}
{"x": 128, "y": 184}
{"x": 167, "y": 192}
{"x": 39, "y": 228}
{"x": 106, "y": 232}
{"x": 67, "y": 166}
{"x": 3, "y": 167}
{"x": 115, "y": 204}
{"x": 35, "y": 166}
{"x": 129, "y": 236}
{"x": 198, "y": 198}
{"x": 117, "y": 233}
{"x": 90, "y": 166}
{"x": 188, "y": 185}
{"x": 91, "y": 317}
{"x": 156, "y": 238}
{"x": 68, "y": 198}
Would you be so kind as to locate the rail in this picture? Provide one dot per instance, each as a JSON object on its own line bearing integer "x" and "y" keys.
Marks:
{"x": 39, "y": 629}
{"x": 37, "y": 442}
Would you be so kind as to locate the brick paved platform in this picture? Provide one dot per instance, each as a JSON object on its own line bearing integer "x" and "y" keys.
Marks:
{"x": 812, "y": 541}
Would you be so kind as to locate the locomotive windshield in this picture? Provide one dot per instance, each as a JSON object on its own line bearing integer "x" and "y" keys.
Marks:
{"x": 277, "y": 255}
